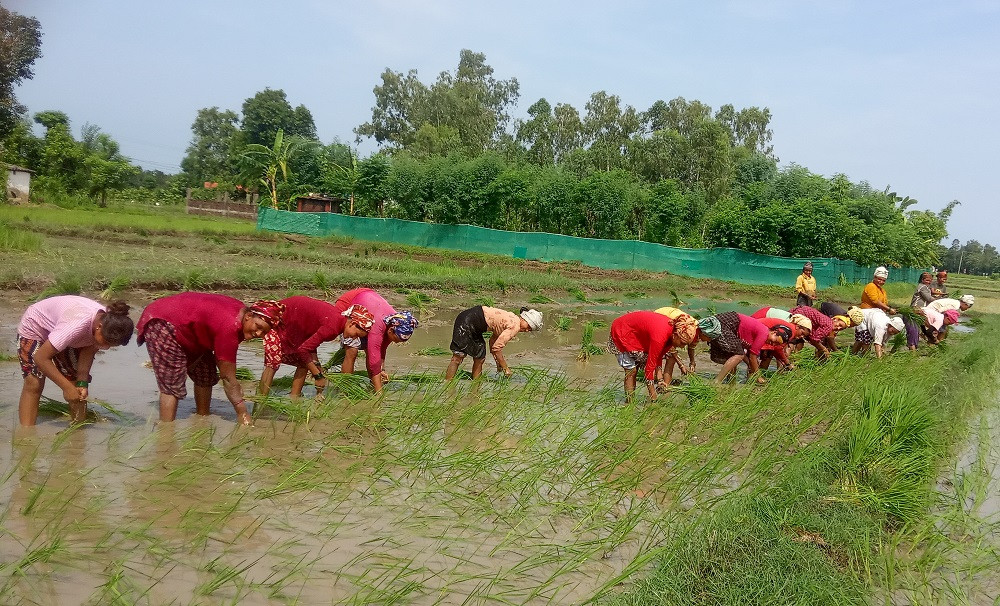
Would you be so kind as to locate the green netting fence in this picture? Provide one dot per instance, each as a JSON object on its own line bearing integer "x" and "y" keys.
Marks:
{"x": 717, "y": 263}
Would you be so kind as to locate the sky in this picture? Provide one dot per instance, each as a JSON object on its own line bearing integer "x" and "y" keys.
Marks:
{"x": 894, "y": 93}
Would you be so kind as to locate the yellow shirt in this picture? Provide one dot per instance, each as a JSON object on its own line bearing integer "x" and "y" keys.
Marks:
{"x": 873, "y": 294}
{"x": 806, "y": 285}
{"x": 670, "y": 312}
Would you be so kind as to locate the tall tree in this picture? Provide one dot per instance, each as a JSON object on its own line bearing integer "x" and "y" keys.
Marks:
{"x": 608, "y": 128}
{"x": 20, "y": 46}
{"x": 269, "y": 111}
{"x": 469, "y": 103}
{"x": 209, "y": 155}
{"x": 537, "y": 133}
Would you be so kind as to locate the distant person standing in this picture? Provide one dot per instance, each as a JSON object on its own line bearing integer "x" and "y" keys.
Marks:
{"x": 940, "y": 288}
{"x": 805, "y": 286}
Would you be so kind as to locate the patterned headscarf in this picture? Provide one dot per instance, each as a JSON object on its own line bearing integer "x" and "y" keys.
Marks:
{"x": 360, "y": 315}
{"x": 710, "y": 327}
{"x": 402, "y": 324}
{"x": 856, "y": 315}
{"x": 270, "y": 310}
{"x": 784, "y": 332}
{"x": 685, "y": 329}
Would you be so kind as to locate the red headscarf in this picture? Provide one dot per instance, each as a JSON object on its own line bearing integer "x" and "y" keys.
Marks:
{"x": 270, "y": 310}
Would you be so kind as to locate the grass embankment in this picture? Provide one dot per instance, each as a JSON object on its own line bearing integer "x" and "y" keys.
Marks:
{"x": 162, "y": 249}
{"x": 833, "y": 525}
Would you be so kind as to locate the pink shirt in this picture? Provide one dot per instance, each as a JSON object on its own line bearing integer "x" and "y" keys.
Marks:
{"x": 752, "y": 333}
{"x": 66, "y": 321}
{"x": 203, "y": 322}
{"x": 378, "y": 342}
{"x": 504, "y": 324}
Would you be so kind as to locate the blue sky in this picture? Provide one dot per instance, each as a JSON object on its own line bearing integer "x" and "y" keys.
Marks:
{"x": 894, "y": 93}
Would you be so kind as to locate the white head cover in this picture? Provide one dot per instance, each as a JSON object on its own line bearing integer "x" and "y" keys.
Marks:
{"x": 533, "y": 317}
{"x": 968, "y": 300}
{"x": 897, "y": 323}
{"x": 881, "y": 272}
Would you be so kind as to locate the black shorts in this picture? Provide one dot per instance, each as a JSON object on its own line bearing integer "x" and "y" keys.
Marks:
{"x": 467, "y": 336}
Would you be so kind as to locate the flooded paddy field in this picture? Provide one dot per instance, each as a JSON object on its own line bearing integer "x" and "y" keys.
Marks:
{"x": 544, "y": 489}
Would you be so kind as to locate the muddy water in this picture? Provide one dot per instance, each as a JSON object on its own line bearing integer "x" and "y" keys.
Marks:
{"x": 136, "y": 501}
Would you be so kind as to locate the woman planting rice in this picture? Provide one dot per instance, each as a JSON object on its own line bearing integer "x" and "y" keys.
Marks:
{"x": 685, "y": 333}
{"x": 388, "y": 327}
{"x": 467, "y": 336}
{"x": 931, "y": 322}
{"x": 963, "y": 303}
{"x": 874, "y": 295}
{"x": 778, "y": 351}
{"x": 58, "y": 338}
{"x": 306, "y": 324}
{"x": 875, "y": 330}
{"x": 921, "y": 297}
{"x": 841, "y": 319}
{"x": 820, "y": 328}
{"x": 197, "y": 334}
{"x": 734, "y": 338}
{"x": 641, "y": 338}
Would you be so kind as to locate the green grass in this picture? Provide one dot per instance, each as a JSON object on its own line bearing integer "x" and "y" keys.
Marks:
{"x": 14, "y": 239}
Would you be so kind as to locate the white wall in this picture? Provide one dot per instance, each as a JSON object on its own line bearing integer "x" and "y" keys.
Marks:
{"x": 19, "y": 180}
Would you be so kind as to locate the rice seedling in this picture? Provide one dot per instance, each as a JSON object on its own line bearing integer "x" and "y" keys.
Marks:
{"x": 114, "y": 288}
{"x": 578, "y": 294}
{"x": 675, "y": 299}
{"x": 433, "y": 351}
{"x": 540, "y": 299}
{"x": 587, "y": 346}
{"x": 245, "y": 374}
{"x": 419, "y": 300}
{"x": 7, "y": 357}
{"x": 320, "y": 281}
{"x": 636, "y": 294}
{"x": 563, "y": 323}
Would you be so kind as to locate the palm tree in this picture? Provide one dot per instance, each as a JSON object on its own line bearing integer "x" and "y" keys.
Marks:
{"x": 269, "y": 161}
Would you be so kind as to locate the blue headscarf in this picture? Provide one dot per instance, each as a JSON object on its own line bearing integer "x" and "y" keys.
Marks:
{"x": 402, "y": 324}
{"x": 710, "y": 327}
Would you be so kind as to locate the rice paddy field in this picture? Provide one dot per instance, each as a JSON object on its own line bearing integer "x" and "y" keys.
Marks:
{"x": 852, "y": 482}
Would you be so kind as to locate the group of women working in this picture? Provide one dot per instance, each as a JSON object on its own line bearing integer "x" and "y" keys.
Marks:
{"x": 196, "y": 335}
{"x": 649, "y": 339}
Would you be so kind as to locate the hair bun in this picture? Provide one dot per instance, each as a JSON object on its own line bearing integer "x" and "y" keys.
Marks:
{"x": 118, "y": 308}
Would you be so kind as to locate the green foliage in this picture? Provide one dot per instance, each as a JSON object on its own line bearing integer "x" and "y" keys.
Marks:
{"x": 20, "y": 46}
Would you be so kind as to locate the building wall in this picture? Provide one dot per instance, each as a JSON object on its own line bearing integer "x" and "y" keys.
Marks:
{"x": 19, "y": 180}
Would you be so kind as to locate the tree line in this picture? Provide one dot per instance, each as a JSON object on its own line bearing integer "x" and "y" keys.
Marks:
{"x": 679, "y": 173}
{"x": 971, "y": 258}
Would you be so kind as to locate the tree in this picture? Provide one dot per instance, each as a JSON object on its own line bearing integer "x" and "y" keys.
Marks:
{"x": 268, "y": 111}
{"x": 209, "y": 155}
{"x": 537, "y": 134}
{"x": 469, "y": 103}
{"x": 268, "y": 162}
{"x": 608, "y": 128}
{"x": 20, "y": 46}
